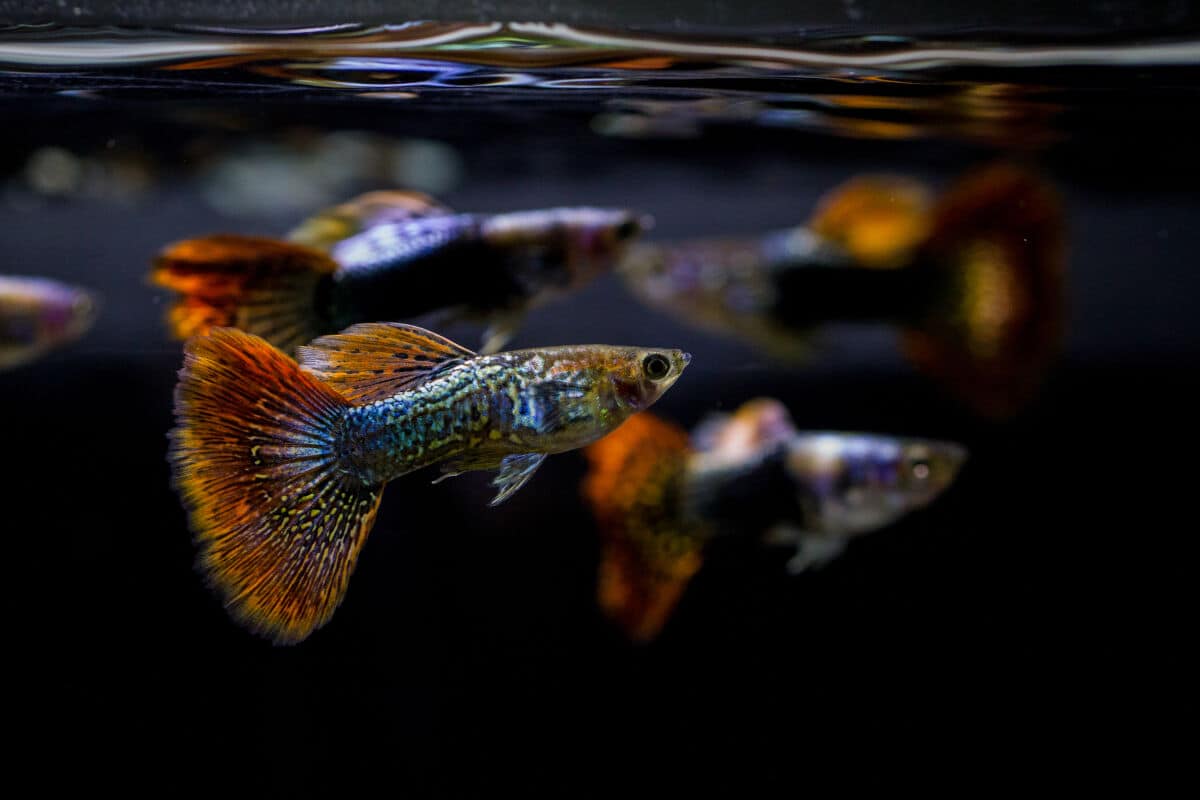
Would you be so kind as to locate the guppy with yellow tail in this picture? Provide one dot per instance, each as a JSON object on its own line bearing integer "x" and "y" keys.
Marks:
{"x": 282, "y": 464}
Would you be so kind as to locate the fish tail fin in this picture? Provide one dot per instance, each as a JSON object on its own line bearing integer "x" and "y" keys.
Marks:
{"x": 649, "y": 552}
{"x": 263, "y": 286}
{"x": 997, "y": 318}
{"x": 879, "y": 220}
{"x": 279, "y": 525}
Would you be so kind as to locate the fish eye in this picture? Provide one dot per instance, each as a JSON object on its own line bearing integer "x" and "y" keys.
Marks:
{"x": 920, "y": 469}
{"x": 627, "y": 230}
{"x": 656, "y": 366}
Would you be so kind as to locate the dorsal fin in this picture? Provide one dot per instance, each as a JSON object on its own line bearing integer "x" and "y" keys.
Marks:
{"x": 376, "y": 360}
{"x": 329, "y": 226}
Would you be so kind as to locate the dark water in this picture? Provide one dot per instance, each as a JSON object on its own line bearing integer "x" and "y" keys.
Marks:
{"x": 1035, "y": 610}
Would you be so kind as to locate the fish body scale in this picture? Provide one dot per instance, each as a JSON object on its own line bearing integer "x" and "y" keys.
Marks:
{"x": 470, "y": 406}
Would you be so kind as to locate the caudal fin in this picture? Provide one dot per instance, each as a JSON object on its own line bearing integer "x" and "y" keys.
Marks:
{"x": 278, "y": 525}
{"x": 999, "y": 237}
{"x": 649, "y": 552}
{"x": 262, "y": 286}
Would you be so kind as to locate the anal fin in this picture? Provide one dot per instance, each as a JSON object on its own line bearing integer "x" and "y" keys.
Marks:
{"x": 515, "y": 472}
{"x": 478, "y": 460}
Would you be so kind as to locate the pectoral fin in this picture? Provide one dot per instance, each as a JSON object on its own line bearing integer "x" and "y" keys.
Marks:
{"x": 814, "y": 553}
{"x": 543, "y": 407}
{"x": 515, "y": 472}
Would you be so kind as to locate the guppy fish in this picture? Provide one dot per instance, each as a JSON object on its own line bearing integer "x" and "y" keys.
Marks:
{"x": 660, "y": 499}
{"x": 973, "y": 280}
{"x": 282, "y": 465}
{"x": 37, "y": 315}
{"x": 390, "y": 255}
{"x": 844, "y": 484}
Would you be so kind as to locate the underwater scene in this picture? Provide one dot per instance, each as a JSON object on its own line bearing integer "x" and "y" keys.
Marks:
{"x": 442, "y": 405}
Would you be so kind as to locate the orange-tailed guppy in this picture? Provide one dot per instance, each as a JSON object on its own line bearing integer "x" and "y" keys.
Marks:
{"x": 282, "y": 465}
{"x": 660, "y": 497}
{"x": 391, "y": 255}
{"x": 973, "y": 280}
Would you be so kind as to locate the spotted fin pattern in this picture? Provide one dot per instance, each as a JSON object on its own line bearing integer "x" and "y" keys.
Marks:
{"x": 279, "y": 526}
{"x": 375, "y": 360}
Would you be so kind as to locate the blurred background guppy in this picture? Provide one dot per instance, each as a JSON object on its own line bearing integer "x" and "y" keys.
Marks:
{"x": 972, "y": 280}
{"x": 38, "y": 315}
{"x": 391, "y": 255}
{"x": 659, "y": 499}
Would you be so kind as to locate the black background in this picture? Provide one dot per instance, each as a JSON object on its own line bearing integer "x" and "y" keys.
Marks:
{"x": 1032, "y": 617}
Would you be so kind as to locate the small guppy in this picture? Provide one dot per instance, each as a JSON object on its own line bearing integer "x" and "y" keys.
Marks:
{"x": 660, "y": 498}
{"x": 38, "y": 314}
{"x": 391, "y": 255}
{"x": 281, "y": 465}
{"x": 973, "y": 279}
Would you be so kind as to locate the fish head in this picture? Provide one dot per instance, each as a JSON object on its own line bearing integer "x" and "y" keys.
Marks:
{"x": 561, "y": 249}
{"x": 581, "y": 393}
{"x": 926, "y": 468}
{"x": 595, "y": 239}
{"x": 42, "y": 313}
{"x": 67, "y": 314}
{"x": 856, "y": 483}
{"x": 639, "y": 376}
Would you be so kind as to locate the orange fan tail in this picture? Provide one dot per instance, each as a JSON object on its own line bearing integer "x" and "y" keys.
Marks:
{"x": 999, "y": 234}
{"x": 263, "y": 286}
{"x": 253, "y": 455}
{"x": 649, "y": 551}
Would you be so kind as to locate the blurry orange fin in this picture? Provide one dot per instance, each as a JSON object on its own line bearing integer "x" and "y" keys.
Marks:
{"x": 1000, "y": 235}
{"x": 649, "y": 552}
{"x": 279, "y": 526}
{"x": 262, "y": 286}
{"x": 880, "y": 220}
{"x": 375, "y": 360}
{"x": 328, "y": 227}
{"x": 636, "y": 595}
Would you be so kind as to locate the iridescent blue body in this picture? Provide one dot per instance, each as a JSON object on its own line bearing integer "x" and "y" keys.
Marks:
{"x": 487, "y": 407}
{"x": 470, "y": 412}
{"x": 489, "y": 266}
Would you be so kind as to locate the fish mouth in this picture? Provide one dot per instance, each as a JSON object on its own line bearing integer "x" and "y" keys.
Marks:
{"x": 958, "y": 456}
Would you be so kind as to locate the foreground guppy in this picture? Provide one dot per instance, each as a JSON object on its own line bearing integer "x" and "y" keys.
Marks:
{"x": 973, "y": 280}
{"x": 391, "y": 255}
{"x": 282, "y": 464}
{"x": 660, "y": 498}
{"x": 39, "y": 314}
